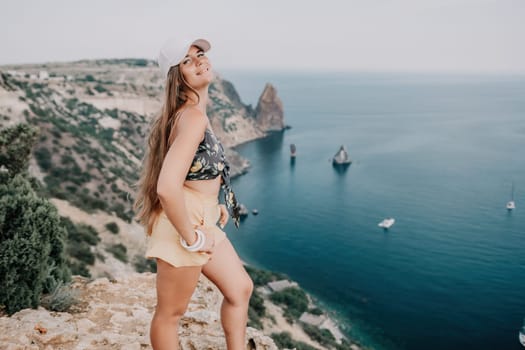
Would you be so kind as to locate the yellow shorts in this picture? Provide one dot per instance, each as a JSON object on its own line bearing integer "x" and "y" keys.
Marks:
{"x": 164, "y": 242}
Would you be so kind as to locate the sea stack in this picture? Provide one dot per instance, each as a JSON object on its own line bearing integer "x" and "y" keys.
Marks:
{"x": 269, "y": 115}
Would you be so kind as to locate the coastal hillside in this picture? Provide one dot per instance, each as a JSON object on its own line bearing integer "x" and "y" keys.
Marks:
{"x": 92, "y": 118}
{"x": 87, "y": 123}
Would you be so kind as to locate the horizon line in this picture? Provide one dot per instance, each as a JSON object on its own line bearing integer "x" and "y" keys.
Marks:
{"x": 432, "y": 71}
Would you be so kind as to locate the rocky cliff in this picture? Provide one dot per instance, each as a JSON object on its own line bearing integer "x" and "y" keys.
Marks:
{"x": 269, "y": 114}
{"x": 232, "y": 121}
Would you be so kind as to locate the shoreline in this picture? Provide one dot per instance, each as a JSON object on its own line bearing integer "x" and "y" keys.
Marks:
{"x": 276, "y": 320}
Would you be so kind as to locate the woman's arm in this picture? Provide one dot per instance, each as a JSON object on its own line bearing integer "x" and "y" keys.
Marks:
{"x": 189, "y": 132}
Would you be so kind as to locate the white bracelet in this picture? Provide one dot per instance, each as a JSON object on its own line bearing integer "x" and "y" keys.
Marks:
{"x": 199, "y": 243}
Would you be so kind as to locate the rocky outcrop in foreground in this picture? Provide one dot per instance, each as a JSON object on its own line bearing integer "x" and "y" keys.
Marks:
{"x": 116, "y": 314}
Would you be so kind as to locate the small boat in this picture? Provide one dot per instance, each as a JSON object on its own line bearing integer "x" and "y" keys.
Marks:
{"x": 255, "y": 212}
{"x": 511, "y": 204}
{"x": 522, "y": 334}
{"x": 387, "y": 223}
{"x": 341, "y": 157}
{"x": 293, "y": 149}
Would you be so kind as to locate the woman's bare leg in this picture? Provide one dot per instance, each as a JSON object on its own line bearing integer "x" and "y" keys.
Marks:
{"x": 175, "y": 286}
{"x": 226, "y": 271}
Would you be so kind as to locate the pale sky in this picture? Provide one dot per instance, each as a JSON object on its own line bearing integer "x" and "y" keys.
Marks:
{"x": 328, "y": 35}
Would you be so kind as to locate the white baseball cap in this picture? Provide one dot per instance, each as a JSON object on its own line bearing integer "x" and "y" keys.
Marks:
{"x": 175, "y": 49}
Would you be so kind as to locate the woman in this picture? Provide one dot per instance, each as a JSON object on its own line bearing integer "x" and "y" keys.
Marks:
{"x": 184, "y": 169}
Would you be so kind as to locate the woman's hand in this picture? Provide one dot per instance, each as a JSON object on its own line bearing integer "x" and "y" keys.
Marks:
{"x": 209, "y": 245}
{"x": 223, "y": 219}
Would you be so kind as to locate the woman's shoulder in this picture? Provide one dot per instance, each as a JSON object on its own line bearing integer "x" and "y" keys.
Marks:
{"x": 192, "y": 118}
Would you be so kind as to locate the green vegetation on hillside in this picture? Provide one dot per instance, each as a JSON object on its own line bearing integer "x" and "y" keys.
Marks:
{"x": 80, "y": 239}
{"x": 284, "y": 340}
{"x": 119, "y": 251}
{"x": 112, "y": 227}
{"x": 142, "y": 264}
{"x": 256, "y": 310}
{"x": 262, "y": 277}
{"x": 96, "y": 155}
{"x": 294, "y": 301}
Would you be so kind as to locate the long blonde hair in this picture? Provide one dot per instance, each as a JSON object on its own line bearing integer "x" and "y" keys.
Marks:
{"x": 147, "y": 203}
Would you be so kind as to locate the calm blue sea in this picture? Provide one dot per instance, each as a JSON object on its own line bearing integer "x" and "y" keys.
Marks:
{"x": 437, "y": 152}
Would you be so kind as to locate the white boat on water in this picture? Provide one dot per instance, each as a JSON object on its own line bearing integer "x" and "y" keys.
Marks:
{"x": 387, "y": 223}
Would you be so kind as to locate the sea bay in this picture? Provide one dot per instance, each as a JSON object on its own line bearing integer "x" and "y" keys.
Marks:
{"x": 437, "y": 152}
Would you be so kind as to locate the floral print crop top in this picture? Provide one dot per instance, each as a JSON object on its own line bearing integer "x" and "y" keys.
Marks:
{"x": 208, "y": 163}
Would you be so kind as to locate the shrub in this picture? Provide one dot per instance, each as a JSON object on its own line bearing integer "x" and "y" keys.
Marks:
{"x": 67, "y": 159}
{"x": 322, "y": 336}
{"x": 113, "y": 113}
{"x": 107, "y": 134}
{"x": 71, "y": 103}
{"x": 56, "y": 133}
{"x": 294, "y": 299}
{"x": 81, "y": 252}
{"x": 43, "y": 158}
{"x": 346, "y": 345}
{"x": 143, "y": 264}
{"x": 72, "y": 189}
{"x": 112, "y": 227}
{"x": 119, "y": 251}
{"x": 284, "y": 341}
{"x": 100, "y": 88}
{"x": 79, "y": 268}
{"x": 15, "y": 147}
{"x": 257, "y": 304}
{"x": 80, "y": 238}
{"x": 60, "y": 299}
{"x": 316, "y": 311}
{"x": 80, "y": 233}
{"x": 256, "y": 310}
{"x": 262, "y": 277}
{"x": 32, "y": 259}
{"x": 26, "y": 249}
{"x": 99, "y": 256}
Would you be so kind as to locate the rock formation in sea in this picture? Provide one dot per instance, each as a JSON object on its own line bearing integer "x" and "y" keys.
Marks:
{"x": 269, "y": 113}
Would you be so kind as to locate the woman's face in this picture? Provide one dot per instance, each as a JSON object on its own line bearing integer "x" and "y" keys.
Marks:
{"x": 196, "y": 68}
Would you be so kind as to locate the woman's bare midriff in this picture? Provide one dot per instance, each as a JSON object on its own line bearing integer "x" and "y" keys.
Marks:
{"x": 210, "y": 187}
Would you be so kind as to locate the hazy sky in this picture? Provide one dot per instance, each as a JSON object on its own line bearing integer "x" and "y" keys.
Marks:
{"x": 372, "y": 35}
